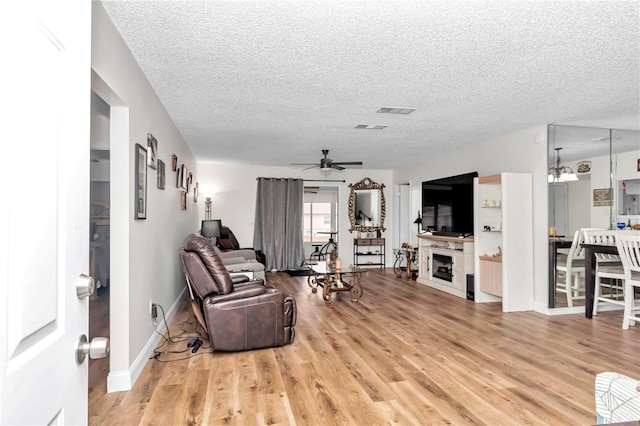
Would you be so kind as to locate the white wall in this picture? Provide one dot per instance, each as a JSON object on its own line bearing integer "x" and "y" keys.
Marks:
{"x": 235, "y": 198}
{"x": 143, "y": 252}
{"x": 100, "y": 122}
{"x": 582, "y": 212}
{"x": 627, "y": 164}
{"x": 524, "y": 152}
{"x": 579, "y": 199}
{"x": 600, "y": 179}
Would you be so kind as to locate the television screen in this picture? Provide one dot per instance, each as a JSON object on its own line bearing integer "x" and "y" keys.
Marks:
{"x": 447, "y": 205}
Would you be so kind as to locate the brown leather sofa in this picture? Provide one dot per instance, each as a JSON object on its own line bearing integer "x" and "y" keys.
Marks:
{"x": 238, "y": 314}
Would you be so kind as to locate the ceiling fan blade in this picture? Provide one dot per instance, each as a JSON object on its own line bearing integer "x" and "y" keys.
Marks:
{"x": 312, "y": 167}
{"x": 335, "y": 166}
{"x": 348, "y": 163}
{"x": 303, "y": 164}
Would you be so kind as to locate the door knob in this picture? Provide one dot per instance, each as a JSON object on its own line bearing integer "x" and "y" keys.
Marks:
{"x": 98, "y": 348}
{"x": 85, "y": 286}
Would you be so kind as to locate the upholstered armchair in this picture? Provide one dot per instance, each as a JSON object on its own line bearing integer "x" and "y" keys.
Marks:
{"x": 617, "y": 398}
{"x": 238, "y": 313}
{"x": 228, "y": 243}
{"x": 239, "y": 261}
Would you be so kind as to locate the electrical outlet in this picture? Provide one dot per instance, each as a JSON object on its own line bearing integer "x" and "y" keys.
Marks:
{"x": 151, "y": 307}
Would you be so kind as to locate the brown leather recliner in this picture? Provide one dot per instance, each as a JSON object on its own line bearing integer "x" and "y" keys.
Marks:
{"x": 239, "y": 313}
{"x": 227, "y": 240}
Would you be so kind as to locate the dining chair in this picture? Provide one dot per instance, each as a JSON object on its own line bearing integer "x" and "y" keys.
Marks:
{"x": 609, "y": 274}
{"x": 572, "y": 268}
{"x": 629, "y": 250}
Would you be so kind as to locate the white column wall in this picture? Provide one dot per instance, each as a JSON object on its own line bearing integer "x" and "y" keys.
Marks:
{"x": 144, "y": 259}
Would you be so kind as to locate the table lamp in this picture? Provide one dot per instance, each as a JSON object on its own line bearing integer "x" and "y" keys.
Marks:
{"x": 418, "y": 221}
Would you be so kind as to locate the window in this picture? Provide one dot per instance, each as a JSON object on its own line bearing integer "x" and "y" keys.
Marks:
{"x": 320, "y": 206}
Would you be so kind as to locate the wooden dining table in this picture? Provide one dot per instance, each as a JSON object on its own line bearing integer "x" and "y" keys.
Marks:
{"x": 590, "y": 251}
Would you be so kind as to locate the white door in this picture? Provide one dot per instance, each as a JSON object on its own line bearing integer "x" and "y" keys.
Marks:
{"x": 45, "y": 101}
{"x": 404, "y": 203}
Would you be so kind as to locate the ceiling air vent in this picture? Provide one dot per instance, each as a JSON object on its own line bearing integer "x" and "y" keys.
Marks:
{"x": 370, "y": 126}
{"x": 389, "y": 110}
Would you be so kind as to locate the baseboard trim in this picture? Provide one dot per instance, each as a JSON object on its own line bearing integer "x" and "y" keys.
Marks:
{"x": 124, "y": 380}
{"x": 543, "y": 309}
{"x": 118, "y": 381}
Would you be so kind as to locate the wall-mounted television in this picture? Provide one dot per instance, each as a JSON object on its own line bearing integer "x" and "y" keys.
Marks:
{"x": 447, "y": 205}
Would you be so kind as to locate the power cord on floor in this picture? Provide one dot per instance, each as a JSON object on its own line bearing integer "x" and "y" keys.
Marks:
{"x": 194, "y": 345}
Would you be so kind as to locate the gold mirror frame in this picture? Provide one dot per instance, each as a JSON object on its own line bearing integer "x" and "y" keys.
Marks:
{"x": 366, "y": 183}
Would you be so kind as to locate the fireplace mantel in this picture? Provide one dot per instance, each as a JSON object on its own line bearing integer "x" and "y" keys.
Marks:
{"x": 459, "y": 250}
{"x": 443, "y": 238}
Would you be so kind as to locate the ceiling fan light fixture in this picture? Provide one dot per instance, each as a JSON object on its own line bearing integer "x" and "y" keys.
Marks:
{"x": 326, "y": 165}
{"x": 561, "y": 173}
{"x": 370, "y": 127}
{"x": 395, "y": 110}
{"x": 568, "y": 176}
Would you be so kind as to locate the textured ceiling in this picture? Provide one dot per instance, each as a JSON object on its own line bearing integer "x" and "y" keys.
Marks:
{"x": 273, "y": 83}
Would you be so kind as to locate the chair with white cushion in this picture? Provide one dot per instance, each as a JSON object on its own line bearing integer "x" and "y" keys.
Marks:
{"x": 617, "y": 398}
{"x": 609, "y": 276}
{"x": 572, "y": 269}
{"x": 628, "y": 244}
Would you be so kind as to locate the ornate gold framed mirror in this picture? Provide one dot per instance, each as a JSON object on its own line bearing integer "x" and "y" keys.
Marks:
{"x": 367, "y": 206}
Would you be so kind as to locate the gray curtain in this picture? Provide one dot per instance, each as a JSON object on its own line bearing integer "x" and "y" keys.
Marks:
{"x": 278, "y": 224}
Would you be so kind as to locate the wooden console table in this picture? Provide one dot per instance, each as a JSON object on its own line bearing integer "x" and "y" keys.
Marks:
{"x": 369, "y": 252}
{"x": 408, "y": 255}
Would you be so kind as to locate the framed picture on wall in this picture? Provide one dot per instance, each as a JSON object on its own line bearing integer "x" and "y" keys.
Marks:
{"x": 183, "y": 200}
{"x": 174, "y": 163}
{"x": 184, "y": 177}
{"x": 195, "y": 193}
{"x": 140, "y": 189}
{"x": 152, "y": 147}
{"x": 161, "y": 182}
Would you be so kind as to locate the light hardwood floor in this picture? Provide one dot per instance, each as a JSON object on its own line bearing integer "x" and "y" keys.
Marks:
{"x": 404, "y": 354}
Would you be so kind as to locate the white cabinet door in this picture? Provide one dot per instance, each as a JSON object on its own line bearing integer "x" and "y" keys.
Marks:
{"x": 45, "y": 100}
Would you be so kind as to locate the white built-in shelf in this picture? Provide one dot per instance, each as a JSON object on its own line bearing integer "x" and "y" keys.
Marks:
{"x": 497, "y": 259}
{"x": 507, "y": 278}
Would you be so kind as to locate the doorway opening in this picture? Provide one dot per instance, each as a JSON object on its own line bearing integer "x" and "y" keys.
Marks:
{"x": 99, "y": 238}
{"x": 320, "y": 221}
{"x": 403, "y": 210}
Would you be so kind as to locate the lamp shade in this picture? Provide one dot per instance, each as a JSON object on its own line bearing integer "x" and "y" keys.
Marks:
{"x": 211, "y": 228}
{"x": 418, "y": 219}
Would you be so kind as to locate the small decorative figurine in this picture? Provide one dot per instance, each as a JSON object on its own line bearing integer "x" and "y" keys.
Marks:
{"x": 333, "y": 256}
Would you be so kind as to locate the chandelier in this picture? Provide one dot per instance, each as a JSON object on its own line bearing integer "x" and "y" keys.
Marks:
{"x": 561, "y": 173}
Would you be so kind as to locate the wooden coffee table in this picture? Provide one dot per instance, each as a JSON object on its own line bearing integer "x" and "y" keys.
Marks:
{"x": 334, "y": 280}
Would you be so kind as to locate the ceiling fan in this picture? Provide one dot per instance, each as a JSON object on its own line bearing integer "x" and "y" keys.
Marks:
{"x": 326, "y": 164}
